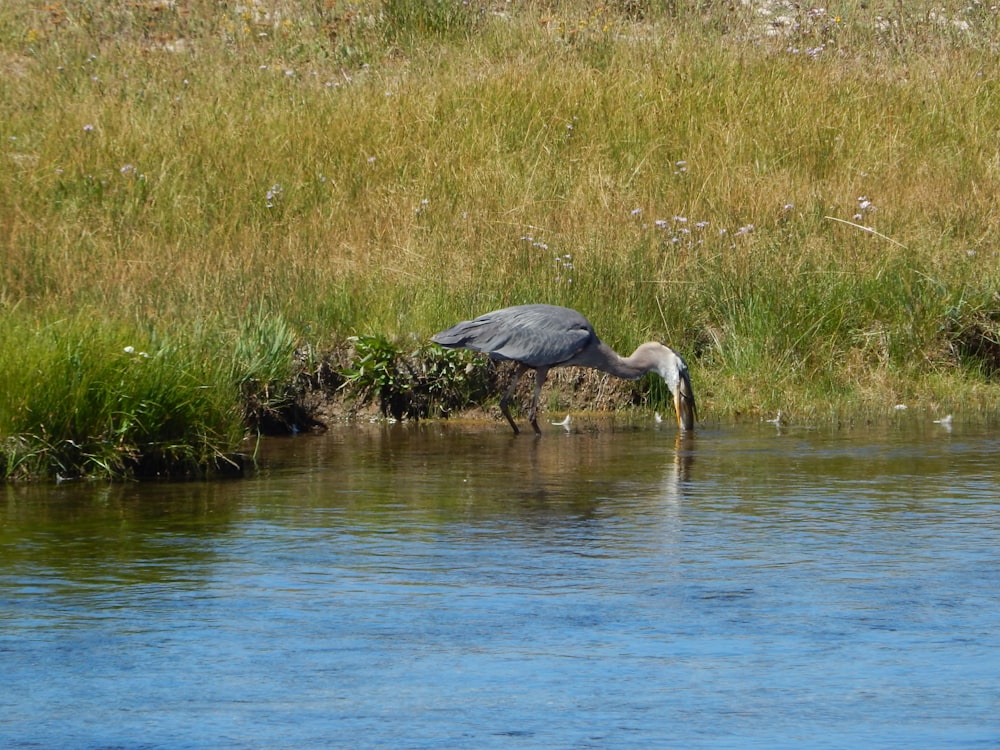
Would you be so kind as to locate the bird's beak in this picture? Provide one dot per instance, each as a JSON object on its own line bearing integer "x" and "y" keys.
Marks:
{"x": 684, "y": 403}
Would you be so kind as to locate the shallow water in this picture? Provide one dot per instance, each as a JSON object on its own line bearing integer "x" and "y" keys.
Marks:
{"x": 440, "y": 586}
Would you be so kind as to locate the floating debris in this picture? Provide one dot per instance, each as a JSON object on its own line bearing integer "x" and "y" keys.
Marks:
{"x": 564, "y": 424}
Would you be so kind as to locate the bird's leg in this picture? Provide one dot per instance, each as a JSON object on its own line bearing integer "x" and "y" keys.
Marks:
{"x": 540, "y": 374}
{"x": 505, "y": 401}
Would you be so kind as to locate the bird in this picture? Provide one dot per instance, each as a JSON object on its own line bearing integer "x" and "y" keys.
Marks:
{"x": 540, "y": 337}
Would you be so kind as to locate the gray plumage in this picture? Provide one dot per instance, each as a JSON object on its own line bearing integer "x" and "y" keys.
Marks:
{"x": 541, "y": 337}
{"x": 534, "y": 335}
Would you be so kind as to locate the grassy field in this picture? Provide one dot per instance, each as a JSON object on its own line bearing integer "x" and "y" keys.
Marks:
{"x": 207, "y": 207}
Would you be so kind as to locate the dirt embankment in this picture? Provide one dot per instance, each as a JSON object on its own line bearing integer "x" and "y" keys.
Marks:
{"x": 324, "y": 397}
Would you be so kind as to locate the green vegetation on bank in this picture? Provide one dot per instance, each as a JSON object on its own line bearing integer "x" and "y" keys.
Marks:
{"x": 207, "y": 209}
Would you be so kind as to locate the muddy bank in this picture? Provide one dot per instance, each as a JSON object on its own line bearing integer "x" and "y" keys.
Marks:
{"x": 428, "y": 384}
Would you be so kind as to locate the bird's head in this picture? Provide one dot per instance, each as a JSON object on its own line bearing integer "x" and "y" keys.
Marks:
{"x": 673, "y": 369}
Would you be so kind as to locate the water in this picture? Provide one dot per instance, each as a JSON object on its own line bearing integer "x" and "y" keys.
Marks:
{"x": 455, "y": 587}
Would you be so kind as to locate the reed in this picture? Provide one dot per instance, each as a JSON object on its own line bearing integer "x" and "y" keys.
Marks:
{"x": 804, "y": 202}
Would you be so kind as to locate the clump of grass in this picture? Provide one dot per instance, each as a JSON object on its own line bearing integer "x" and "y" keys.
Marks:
{"x": 86, "y": 398}
{"x": 415, "y": 19}
{"x": 267, "y": 368}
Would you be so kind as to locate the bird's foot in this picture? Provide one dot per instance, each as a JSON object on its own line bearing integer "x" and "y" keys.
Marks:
{"x": 534, "y": 423}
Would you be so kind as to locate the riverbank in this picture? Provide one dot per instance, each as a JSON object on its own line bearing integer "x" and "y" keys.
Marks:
{"x": 212, "y": 215}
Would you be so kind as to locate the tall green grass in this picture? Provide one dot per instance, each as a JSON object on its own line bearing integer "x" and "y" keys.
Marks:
{"x": 90, "y": 397}
{"x": 804, "y": 203}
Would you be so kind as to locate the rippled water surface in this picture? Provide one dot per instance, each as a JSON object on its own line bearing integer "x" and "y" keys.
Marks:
{"x": 441, "y": 586}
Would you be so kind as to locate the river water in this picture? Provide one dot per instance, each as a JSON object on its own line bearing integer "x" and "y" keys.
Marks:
{"x": 447, "y": 586}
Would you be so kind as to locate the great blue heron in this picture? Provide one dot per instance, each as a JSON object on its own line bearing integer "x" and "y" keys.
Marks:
{"x": 540, "y": 337}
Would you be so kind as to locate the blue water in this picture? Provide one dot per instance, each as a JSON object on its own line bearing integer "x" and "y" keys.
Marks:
{"x": 442, "y": 586}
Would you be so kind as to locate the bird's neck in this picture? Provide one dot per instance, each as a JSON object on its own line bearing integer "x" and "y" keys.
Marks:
{"x": 604, "y": 358}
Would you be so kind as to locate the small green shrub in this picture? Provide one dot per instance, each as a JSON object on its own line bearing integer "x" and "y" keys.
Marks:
{"x": 378, "y": 370}
{"x": 428, "y": 381}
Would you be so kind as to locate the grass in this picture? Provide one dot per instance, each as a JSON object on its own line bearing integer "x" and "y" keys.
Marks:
{"x": 78, "y": 402}
{"x": 803, "y": 203}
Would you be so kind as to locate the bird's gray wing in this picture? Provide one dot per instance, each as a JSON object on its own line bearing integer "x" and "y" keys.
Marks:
{"x": 535, "y": 335}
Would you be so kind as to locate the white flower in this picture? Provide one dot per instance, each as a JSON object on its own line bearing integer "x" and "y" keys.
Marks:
{"x": 273, "y": 195}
